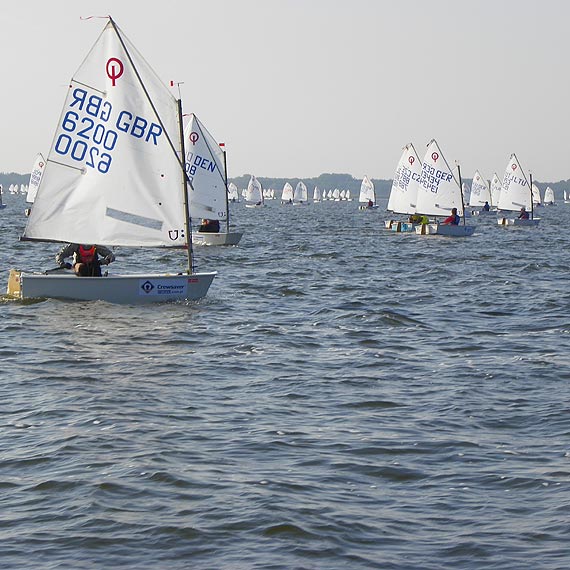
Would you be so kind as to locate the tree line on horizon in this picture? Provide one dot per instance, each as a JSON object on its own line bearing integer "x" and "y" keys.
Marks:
{"x": 326, "y": 181}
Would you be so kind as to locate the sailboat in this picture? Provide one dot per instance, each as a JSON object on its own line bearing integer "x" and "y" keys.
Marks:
{"x": 404, "y": 191}
{"x": 301, "y": 195}
{"x": 367, "y": 196}
{"x": 496, "y": 184}
{"x": 287, "y": 194}
{"x": 115, "y": 176}
{"x": 233, "y": 194}
{"x": 206, "y": 171}
{"x": 549, "y": 196}
{"x": 254, "y": 194}
{"x": 2, "y": 205}
{"x": 516, "y": 193}
{"x": 316, "y": 194}
{"x": 480, "y": 195}
{"x": 439, "y": 191}
{"x": 35, "y": 179}
{"x": 566, "y": 197}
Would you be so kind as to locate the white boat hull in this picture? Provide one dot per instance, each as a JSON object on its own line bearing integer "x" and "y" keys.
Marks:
{"x": 518, "y": 222}
{"x": 445, "y": 230}
{"x": 204, "y": 238}
{"x": 121, "y": 289}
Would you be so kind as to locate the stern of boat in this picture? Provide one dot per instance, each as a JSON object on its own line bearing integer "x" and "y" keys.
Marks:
{"x": 14, "y": 284}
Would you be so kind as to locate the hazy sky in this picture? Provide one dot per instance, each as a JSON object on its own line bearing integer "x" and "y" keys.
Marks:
{"x": 296, "y": 88}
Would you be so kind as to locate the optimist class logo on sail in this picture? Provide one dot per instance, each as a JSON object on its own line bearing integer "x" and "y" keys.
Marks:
{"x": 91, "y": 126}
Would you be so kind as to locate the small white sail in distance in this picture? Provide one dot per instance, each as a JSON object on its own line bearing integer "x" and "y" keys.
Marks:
{"x": 233, "y": 192}
{"x": 404, "y": 191}
{"x": 480, "y": 192}
{"x": 496, "y": 185}
{"x": 549, "y": 195}
{"x": 438, "y": 188}
{"x": 515, "y": 189}
{"x": 300, "y": 194}
{"x": 287, "y": 193}
{"x": 35, "y": 177}
{"x": 367, "y": 192}
{"x": 254, "y": 191}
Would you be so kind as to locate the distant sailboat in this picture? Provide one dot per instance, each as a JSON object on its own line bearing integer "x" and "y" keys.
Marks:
{"x": 316, "y": 194}
{"x": 480, "y": 194}
{"x": 367, "y": 196}
{"x": 439, "y": 191}
{"x": 233, "y": 195}
{"x": 516, "y": 193}
{"x": 2, "y": 205}
{"x": 549, "y": 196}
{"x": 536, "y": 199}
{"x": 254, "y": 194}
{"x": 287, "y": 194}
{"x": 496, "y": 184}
{"x": 300, "y": 196}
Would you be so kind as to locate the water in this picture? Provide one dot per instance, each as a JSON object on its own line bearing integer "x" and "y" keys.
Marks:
{"x": 345, "y": 397}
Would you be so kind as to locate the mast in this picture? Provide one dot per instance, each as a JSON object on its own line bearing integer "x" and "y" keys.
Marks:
{"x": 185, "y": 182}
{"x": 531, "y": 200}
{"x": 226, "y": 187}
{"x": 461, "y": 192}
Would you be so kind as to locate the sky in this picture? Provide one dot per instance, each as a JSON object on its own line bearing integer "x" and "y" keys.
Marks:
{"x": 296, "y": 88}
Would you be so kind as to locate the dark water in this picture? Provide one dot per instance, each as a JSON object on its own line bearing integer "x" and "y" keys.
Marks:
{"x": 345, "y": 397}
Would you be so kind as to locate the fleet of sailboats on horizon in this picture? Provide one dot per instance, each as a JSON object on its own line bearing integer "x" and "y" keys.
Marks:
{"x": 114, "y": 175}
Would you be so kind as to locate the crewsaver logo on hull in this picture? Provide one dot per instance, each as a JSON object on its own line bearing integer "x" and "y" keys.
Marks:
{"x": 164, "y": 287}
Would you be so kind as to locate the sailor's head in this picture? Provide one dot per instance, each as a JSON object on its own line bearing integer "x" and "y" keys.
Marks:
{"x": 523, "y": 209}
{"x": 454, "y": 210}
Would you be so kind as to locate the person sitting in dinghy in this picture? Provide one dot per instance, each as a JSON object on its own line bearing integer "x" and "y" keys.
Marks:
{"x": 486, "y": 207}
{"x": 524, "y": 214}
{"x": 454, "y": 219}
{"x": 86, "y": 261}
{"x": 210, "y": 226}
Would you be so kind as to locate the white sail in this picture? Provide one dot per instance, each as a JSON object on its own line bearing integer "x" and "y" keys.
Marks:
{"x": 496, "y": 185}
{"x": 480, "y": 191}
{"x": 549, "y": 196}
{"x": 438, "y": 188}
{"x": 404, "y": 191}
{"x": 254, "y": 193}
{"x": 367, "y": 192}
{"x": 300, "y": 194}
{"x": 316, "y": 194}
{"x": 35, "y": 177}
{"x": 113, "y": 174}
{"x": 536, "y": 195}
{"x": 336, "y": 194}
{"x": 465, "y": 191}
{"x": 515, "y": 190}
{"x": 206, "y": 172}
{"x": 343, "y": 194}
{"x": 287, "y": 193}
{"x": 233, "y": 194}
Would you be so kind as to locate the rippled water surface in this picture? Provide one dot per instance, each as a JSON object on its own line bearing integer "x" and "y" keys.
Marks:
{"x": 344, "y": 397}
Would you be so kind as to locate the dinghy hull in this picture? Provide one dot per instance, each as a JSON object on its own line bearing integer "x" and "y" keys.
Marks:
{"x": 518, "y": 222}
{"x": 121, "y": 289}
{"x": 449, "y": 230}
{"x": 203, "y": 238}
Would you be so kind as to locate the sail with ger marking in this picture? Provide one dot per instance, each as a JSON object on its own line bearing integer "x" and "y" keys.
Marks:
{"x": 113, "y": 174}
{"x": 438, "y": 189}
